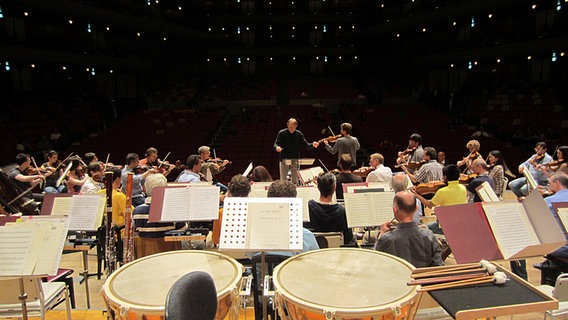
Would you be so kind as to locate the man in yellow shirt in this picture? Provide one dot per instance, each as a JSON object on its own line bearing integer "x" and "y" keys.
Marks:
{"x": 118, "y": 198}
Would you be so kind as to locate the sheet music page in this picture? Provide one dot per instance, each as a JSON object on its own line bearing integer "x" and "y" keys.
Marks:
{"x": 86, "y": 212}
{"x": 18, "y": 248}
{"x": 204, "y": 203}
{"x": 62, "y": 206}
{"x": 247, "y": 170}
{"x": 258, "y": 193}
{"x": 51, "y": 246}
{"x": 563, "y": 215}
{"x": 486, "y": 193}
{"x": 382, "y": 205}
{"x": 360, "y": 210}
{"x": 530, "y": 179}
{"x": 350, "y": 189}
{"x": 511, "y": 227}
{"x": 268, "y": 226}
{"x": 315, "y": 171}
{"x": 306, "y": 176}
{"x": 306, "y": 193}
{"x": 176, "y": 204}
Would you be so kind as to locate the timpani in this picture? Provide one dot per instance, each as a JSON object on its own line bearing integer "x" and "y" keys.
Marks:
{"x": 138, "y": 290}
{"x": 344, "y": 283}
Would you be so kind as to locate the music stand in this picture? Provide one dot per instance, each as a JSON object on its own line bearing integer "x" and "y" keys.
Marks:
{"x": 261, "y": 225}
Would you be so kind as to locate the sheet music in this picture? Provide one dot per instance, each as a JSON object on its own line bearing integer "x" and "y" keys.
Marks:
{"x": 306, "y": 176}
{"x": 268, "y": 226}
{"x": 306, "y": 193}
{"x": 316, "y": 171}
{"x": 62, "y": 206}
{"x": 563, "y": 215}
{"x": 259, "y": 189}
{"x": 86, "y": 212}
{"x": 511, "y": 227}
{"x": 204, "y": 203}
{"x": 18, "y": 254}
{"x": 51, "y": 246}
{"x": 247, "y": 170}
{"x": 191, "y": 204}
{"x": 368, "y": 209}
{"x": 486, "y": 193}
{"x": 530, "y": 179}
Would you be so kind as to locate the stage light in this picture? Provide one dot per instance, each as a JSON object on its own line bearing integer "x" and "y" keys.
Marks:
{"x": 498, "y": 60}
{"x": 529, "y": 57}
{"x": 138, "y": 34}
{"x": 554, "y": 57}
{"x": 398, "y": 35}
{"x": 32, "y": 65}
{"x": 64, "y": 68}
{"x": 451, "y": 65}
{"x": 490, "y": 15}
{"x": 423, "y": 29}
{"x": 110, "y": 71}
{"x": 7, "y": 66}
{"x": 165, "y": 39}
{"x": 26, "y": 14}
{"x": 107, "y": 28}
{"x": 70, "y": 21}
{"x": 454, "y": 23}
{"x": 533, "y": 6}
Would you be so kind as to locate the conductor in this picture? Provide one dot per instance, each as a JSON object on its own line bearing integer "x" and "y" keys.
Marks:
{"x": 288, "y": 143}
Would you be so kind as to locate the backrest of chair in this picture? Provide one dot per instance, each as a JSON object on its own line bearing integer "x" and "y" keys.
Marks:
{"x": 192, "y": 297}
{"x": 10, "y": 292}
{"x": 505, "y": 184}
{"x": 560, "y": 291}
{"x": 329, "y": 239}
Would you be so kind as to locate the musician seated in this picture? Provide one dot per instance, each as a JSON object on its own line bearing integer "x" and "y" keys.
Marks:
{"x": 345, "y": 175}
{"x": 150, "y": 239}
{"x": 138, "y": 195}
{"x": 118, "y": 198}
{"x": 479, "y": 167}
{"x": 453, "y": 193}
{"x": 192, "y": 171}
{"x": 428, "y": 172}
{"x": 325, "y": 215}
{"x": 51, "y": 181}
{"x": 23, "y": 181}
{"x": 381, "y": 173}
{"x": 93, "y": 183}
{"x": 90, "y": 157}
{"x": 213, "y": 166}
{"x": 519, "y": 186}
{"x": 260, "y": 174}
{"x": 408, "y": 241}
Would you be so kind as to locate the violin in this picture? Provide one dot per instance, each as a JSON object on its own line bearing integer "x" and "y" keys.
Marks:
{"x": 412, "y": 164}
{"x": 430, "y": 187}
{"x": 467, "y": 178}
{"x": 534, "y": 161}
{"x": 363, "y": 171}
{"x": 330, "y": 139}
{"x": 218, "y": 161}
{"x": 30, "y": 171}
{"x": 403, "y": 155}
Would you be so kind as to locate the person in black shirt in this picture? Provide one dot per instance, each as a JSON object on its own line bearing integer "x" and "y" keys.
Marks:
{"x": 288, "y": 143}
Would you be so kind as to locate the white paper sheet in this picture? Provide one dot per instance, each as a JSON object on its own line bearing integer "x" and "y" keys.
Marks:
{"x": 191, "y": 203}
{"x": 268, "y": 226}
{"x": 18, "y": 254}
{"x": 307, "y": 193}
{"x": 368, "y": 209}
{"x": 62, "y": 206}
{"x": 511, "y": 227}
{"x": 86, "y": 212}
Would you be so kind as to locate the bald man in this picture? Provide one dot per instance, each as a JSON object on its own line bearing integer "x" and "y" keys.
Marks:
{"x": 408, "y": 241}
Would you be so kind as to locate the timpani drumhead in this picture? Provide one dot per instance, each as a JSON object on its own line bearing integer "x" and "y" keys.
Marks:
{"x": 143, "y": 284}
{"x": 345, "y": 280}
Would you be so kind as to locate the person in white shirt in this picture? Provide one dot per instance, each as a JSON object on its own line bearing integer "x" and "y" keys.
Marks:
{"x": 381, "y": 173}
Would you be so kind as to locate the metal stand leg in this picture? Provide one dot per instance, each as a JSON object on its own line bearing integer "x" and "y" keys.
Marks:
{"x": 263, "y": 273}
{"x": 86, "y": 277}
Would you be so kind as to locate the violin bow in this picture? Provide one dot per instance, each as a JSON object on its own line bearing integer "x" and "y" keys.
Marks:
{"x": 63, "y": 161}
{"x": 167, "y": 155}
{"x": 106, "y": 161}
{"x": 38, "y": 172}
{"x": 332, "y": 133}
{"x": 326, "y": 169}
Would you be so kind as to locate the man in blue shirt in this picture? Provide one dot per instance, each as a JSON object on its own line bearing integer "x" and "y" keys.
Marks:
{"x": 519, "y": 185}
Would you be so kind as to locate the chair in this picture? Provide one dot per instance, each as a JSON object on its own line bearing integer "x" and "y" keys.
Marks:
{"x": 271, "y": 261}
{"x": 505, "y": 183}
{"x": 42, "y": 296}
{"x": 192, "y": 297}
{"x": 329, "y": 239}
{"x": 64, "y": 275}
{"x": 559, "y": 292}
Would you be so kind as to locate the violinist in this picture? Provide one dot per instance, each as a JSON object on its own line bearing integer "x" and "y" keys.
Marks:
{"x": 497, "y": 169}
{"x": 473, "y": 146}
{"x": 288, "y": 143}
{"x": 53, "y": 165}
{"x": 213, "y": 166}
{"x": 23, "y": 181}
{"x": 152, "y": 160}
{"x": 380, "y": 172}
{"x": 132, "y": 161}
{"x": 519, "y": 185}
{"x": 94, "y": 182}
{"x": 428, "y": 172}
{"x": 192, "y": 172}
{"x": 90, "y": 157}
{"x": 558, "y": 165}
{"x": 453, "y": 193}
{"x": 414, "y": 151}
{"x": 76, "y": 177}
{"x": 441, "y": 158}
{"x": 480, "y": 168}
{"x": 345, "y": 175}
{"x": 346, "y": 144}
{"x": 260, "y": 174}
